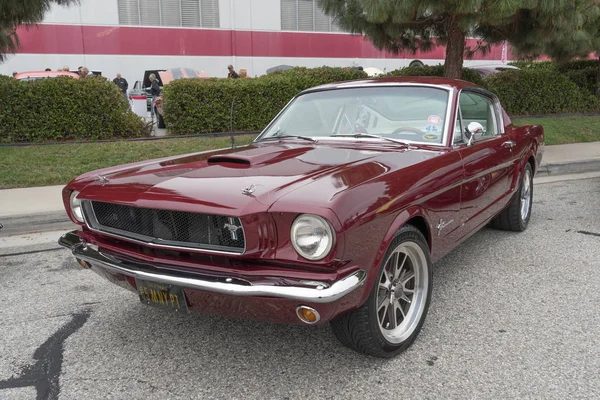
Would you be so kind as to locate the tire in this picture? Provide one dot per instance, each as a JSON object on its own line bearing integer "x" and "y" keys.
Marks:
{"x": 515, "y": 217}
{"x": 367, "y": 329}
{"x": 416, "y": 63}
{"x": 161, "y": 121}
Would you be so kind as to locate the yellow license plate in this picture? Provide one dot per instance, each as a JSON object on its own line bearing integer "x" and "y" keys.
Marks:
{"x": 161, "y": 295}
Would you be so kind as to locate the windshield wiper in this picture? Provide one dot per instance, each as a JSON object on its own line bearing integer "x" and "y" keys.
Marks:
{"x": 277, "y": 137}
{"x": 359, "y": 135}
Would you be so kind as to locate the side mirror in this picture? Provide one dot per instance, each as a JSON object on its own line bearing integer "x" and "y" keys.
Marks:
{"x": 474, "y": 131}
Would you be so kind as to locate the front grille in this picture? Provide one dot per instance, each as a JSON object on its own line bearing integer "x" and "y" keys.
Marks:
{"x": 167, "y": 227}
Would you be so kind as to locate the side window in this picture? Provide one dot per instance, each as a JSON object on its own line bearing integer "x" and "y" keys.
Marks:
{"x": 478, "y": 108}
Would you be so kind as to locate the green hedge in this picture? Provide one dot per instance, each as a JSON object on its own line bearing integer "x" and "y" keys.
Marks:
{"x": 204, "y": 105}
{"x": 540, "y": 91}
{"x": 65, "y": 109}
{"x": 468, "y": 75}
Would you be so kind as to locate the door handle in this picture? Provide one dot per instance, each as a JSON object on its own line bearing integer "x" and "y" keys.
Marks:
{"x": 509, "y": 145}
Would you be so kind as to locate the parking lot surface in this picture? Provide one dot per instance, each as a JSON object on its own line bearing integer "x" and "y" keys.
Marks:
{"x": 513, "y": 315}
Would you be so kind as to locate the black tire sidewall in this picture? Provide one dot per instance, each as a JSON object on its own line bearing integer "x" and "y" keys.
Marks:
{"x": 407, "y": 233}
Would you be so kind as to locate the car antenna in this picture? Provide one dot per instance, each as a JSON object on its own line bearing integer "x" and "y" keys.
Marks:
{"x": 231, "y": 125}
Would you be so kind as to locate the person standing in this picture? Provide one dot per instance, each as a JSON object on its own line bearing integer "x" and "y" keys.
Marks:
{"x": 154, "y": 91}
{"x": 232, "y": 74}
{"x": 121, "y": 83}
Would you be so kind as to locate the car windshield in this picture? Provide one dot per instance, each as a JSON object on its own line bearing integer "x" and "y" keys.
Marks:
{"x": 409, "y": 113}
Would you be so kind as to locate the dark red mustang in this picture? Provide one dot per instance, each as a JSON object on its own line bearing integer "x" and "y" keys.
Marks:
{"x": 335, "y": 213}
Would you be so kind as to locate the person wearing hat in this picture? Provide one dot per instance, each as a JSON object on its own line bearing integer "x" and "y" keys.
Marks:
{"x": 232, "y": 73}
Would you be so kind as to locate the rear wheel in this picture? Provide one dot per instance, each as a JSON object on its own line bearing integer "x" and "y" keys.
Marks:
{"x": 392, "y": 317}
{"x": 515, "y": 217}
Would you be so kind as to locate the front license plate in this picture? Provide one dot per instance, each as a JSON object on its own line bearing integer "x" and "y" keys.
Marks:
{"x": 161, "y": 295}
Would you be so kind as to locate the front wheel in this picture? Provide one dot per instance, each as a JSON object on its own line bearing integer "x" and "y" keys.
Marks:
{"x": 515, "y": 217}
{"x": 392, "y": 317}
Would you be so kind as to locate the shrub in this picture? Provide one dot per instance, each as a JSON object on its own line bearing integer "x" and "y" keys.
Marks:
{"x": 468, "y": 74}
{"x": 540, "y": 91}
{"x": 64, "y": 108}
{"x": 205, "y": 105}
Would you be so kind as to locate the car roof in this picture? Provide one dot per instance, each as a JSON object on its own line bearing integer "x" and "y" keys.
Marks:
{"x": 419, "y": 80}
{"x": 49, "y": 74}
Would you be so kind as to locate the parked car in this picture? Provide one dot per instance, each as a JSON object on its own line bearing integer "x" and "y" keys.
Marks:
{"x": 142, "y": 88}
{"x": 33, "y": 75}
{"x": 335, "y": 213}
{"x": 485, "y": 70}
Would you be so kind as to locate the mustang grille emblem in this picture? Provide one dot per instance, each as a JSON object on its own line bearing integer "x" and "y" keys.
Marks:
{"x": 232, "y": 228}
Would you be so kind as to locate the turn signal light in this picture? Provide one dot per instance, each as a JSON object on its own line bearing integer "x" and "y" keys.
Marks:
{"x": 84, "y": 264}
{"x": 308, "y": 315}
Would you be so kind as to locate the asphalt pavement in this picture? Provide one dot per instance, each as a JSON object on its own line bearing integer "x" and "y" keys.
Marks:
{"x": 513, "y": 315}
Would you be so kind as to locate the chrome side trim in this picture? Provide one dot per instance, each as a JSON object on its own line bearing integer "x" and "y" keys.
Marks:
{"x": 323, "y": 293}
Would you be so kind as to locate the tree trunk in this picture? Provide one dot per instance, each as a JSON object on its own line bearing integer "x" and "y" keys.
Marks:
{"x": 455, "y": 51}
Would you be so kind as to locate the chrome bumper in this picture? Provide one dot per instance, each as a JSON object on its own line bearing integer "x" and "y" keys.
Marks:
{"x": 313, "y": 292}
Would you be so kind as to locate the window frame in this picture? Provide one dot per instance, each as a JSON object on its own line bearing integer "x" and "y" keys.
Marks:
{"x": 140, "y": 5}
{"x": 497, "y": 115}
{"x": 315, "y": 7}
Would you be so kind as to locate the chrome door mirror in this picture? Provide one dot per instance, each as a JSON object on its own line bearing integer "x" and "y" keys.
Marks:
{"x": 474, "y": 131}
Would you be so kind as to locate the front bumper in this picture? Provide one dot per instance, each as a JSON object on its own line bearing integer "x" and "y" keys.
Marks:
{"x": 301, "y": 291}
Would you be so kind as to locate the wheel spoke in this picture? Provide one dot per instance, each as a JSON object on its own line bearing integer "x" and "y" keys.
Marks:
{"x": 392, "y": 316}
{"x": 404, "y": 297}
{"x": 383, "y": 303}
{"x": 397, "y": 306}
{"x": 406, "y": 277}
{"x": 400, "y": 267}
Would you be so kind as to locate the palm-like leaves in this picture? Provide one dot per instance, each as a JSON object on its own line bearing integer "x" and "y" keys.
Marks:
{"x": 14, "y": 13}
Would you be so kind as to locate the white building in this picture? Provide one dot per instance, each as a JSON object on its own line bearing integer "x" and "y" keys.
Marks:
{"x": 131, "y": 36}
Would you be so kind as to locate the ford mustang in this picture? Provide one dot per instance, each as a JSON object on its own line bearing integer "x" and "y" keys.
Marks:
{"x": 334, "y": 214}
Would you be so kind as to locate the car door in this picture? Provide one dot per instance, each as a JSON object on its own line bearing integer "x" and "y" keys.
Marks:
{"x": 488, "y": 161}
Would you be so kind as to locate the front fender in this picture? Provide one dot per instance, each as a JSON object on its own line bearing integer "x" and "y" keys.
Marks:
{"x": 398, "y": 222}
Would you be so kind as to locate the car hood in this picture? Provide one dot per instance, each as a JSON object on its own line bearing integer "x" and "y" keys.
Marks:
{"x": 243, "y": 181}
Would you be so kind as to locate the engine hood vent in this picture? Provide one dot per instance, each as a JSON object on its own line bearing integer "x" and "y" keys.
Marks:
{"x": 228, "y": 159}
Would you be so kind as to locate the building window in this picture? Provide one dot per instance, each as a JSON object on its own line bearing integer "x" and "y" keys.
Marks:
{"x": 186, "y": 13}
{"x": 305, "y": 15}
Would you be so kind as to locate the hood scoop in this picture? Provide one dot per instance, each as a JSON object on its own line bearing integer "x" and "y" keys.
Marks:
{"x": 253, "y": 158}
{"x": 229, "y": 159}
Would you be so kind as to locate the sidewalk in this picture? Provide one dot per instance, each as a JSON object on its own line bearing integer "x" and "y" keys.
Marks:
{"x": 45, "y": 203}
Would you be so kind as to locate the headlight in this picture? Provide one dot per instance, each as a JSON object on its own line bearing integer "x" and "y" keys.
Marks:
{"x": 312, "y": 237}
{"x": 76, "y": 206}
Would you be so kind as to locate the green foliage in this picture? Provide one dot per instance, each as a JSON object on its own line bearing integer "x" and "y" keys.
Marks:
{"x": 205, "y": 105}
{"x": 14, "y": 13}
{"x": 545, "y": 65}
{"x": 64, "y": 108}
{"x": 540, "y": 91}
{"x": 468, "y": 74}
{"x": 412, "y": 25}
{"x": 584, "y": 73}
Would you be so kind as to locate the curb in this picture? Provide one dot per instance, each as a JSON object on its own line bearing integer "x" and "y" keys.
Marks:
{"x": 569, "y": 168}
{"x": 30, "y": 223}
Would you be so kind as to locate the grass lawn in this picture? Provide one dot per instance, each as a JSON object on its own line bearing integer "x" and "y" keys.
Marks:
{"x": 566, "y": 130}
{"x": 43, "y": 165}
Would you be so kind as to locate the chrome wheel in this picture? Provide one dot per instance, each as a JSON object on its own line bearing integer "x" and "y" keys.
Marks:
{"x": 526, "y": 195}
{"x": 402, "y": 292}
